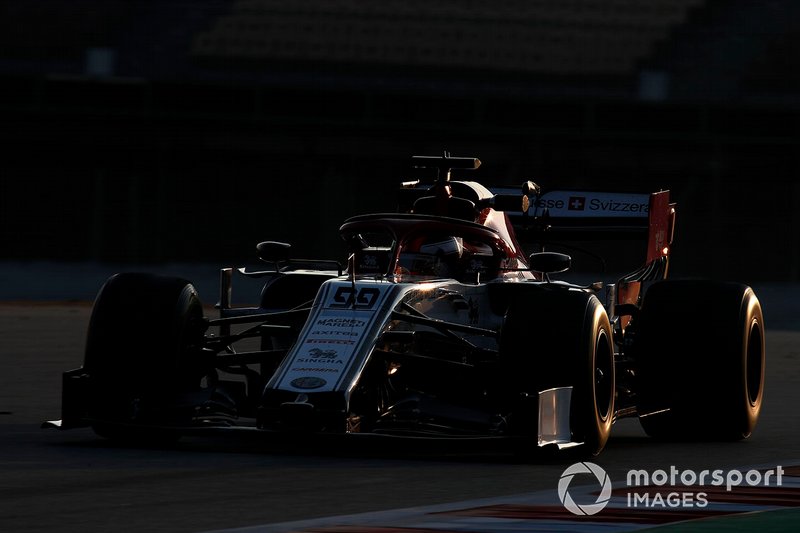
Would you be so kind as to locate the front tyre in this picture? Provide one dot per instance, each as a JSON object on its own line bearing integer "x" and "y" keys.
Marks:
{"x": 557, "y": 337}
{"x": 595, "y": 395}
{"x": 142, "y": 352}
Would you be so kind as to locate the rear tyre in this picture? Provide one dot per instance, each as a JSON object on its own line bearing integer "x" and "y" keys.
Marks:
{"x": 707, "y": 382}
{"x": 558, "y": 337}
{"x": 142, "y": 351}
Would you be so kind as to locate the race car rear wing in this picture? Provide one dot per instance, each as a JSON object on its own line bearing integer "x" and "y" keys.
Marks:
{"x": 563, "y": 215}
{"x": 581, "y": 211}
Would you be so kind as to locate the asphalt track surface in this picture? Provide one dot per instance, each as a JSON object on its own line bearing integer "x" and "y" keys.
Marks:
{"x": 73, "y": 481}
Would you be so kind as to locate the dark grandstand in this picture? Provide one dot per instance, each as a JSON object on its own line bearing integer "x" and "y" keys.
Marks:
{"x": 155, "y": 131}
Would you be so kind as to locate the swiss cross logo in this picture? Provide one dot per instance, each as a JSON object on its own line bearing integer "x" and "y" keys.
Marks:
{"x": 576, "y": 203}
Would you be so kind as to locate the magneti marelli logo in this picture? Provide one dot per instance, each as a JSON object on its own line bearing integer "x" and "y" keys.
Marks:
{"x": 584, "y": 509}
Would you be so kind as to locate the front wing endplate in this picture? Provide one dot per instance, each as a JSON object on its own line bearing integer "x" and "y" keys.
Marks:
{"x": 554, "y": 409}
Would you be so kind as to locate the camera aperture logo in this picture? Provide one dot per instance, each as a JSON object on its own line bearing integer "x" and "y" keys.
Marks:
{"x": 662, "y": 488}
{"x": 584, "y": 509}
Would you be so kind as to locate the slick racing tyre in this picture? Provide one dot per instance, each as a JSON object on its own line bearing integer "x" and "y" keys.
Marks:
{"x": 700, "y": 347}
{"x": 557, "y": 337}
{"x": 142, "y": 349}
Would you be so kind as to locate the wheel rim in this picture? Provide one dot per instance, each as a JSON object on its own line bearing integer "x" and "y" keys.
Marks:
{"x": 603, "y": 377}
{"x": 754, "y": 366}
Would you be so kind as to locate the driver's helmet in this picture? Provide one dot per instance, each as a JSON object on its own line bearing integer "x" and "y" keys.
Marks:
{"x": 437, "y": 257}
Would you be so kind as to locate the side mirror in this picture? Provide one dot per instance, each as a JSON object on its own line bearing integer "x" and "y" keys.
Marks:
{"x": 530, "y": 188}
{"x": 549, "y": 262}
{"x": 510, "y": 202}
{"x": 273, "y": 252}
{"x": 515, "y": 202}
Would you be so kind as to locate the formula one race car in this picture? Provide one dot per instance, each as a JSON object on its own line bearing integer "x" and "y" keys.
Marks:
{"x": 440, "y": 326}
